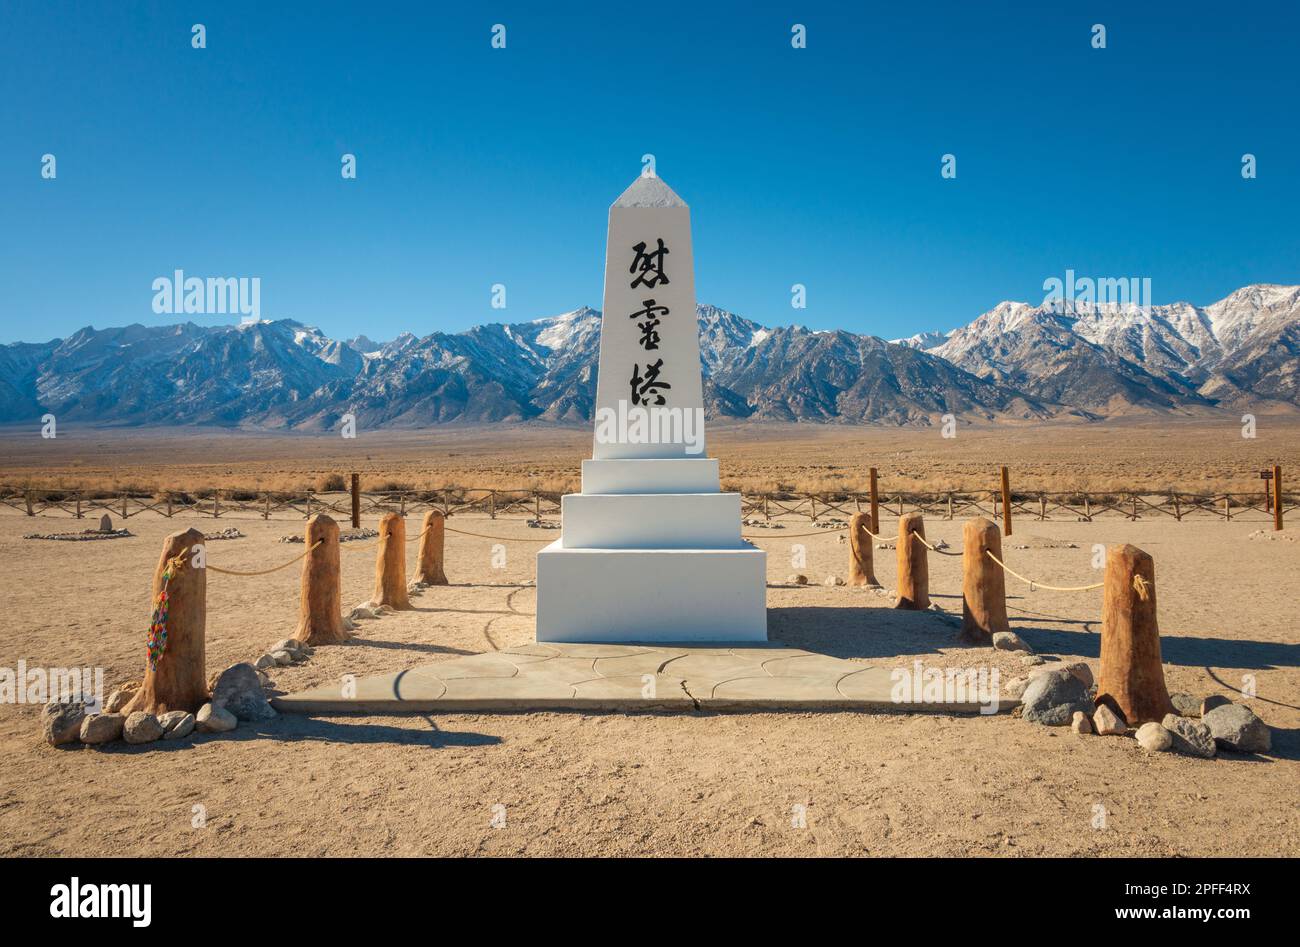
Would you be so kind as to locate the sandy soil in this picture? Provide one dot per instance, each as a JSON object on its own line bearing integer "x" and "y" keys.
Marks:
{"x": 879, "y": 784}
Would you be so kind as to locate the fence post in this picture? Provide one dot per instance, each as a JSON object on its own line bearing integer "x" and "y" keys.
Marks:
{"x": 913, "y": 565}
{"x": 390, "y": 564}
{"x": 1042, "y": 506}
{"x": 356, "y": 501}
{"x": 983, "y": 585}
{"x": 30, "y": 511}
{"x": 429, "y": 569}
{"x": 216, "y": 504}
{"x": 812, "y": 499}
{"x": 1277, "y": 497}
{"x": 78, "y": 504}
{"x": 320, "y": 604}
{"x": 179, "y": 681}
{"x": 124, "y": 513}
{"x": 875, "y": 503}
{"x": 949, "y": 506}
{"x": 266, "y": 506}
{"x": 861, "y": 571}
{"x": 1006, "y": 502}
{"x": 1132, "y": 679}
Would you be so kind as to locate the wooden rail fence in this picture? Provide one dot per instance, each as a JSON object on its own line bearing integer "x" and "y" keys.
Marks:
{"x": 776, "y": 506}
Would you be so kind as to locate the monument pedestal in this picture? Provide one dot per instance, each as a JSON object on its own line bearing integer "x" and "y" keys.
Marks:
{"x": 635, "y": 563}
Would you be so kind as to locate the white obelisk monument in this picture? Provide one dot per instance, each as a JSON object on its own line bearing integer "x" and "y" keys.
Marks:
{"x": 650, "y": 549}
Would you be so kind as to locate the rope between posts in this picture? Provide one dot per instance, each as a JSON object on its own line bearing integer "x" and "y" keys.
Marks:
{"x": 284, "y": 565}
{"x": 1039, "y": 585}
{"x": 942, "y": 552}
{"x": 504, "y": 539}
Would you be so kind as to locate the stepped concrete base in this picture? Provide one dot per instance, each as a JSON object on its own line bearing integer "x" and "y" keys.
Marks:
{"x": 651, "y": 594}
{"x": 651, "y": 521}
{"x": 651, "y": 475}
{"x": 628, "y": 678}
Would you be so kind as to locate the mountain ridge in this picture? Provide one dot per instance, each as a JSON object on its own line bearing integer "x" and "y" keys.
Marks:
{"x": 1014, "y": 362}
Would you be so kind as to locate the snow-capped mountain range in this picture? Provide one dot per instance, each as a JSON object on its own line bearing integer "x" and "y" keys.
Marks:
{"x": 1014, "y": 362}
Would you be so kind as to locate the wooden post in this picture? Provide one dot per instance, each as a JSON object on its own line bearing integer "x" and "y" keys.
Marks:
{"x": 320, "y": 606}
{"x": 913, "y": 564}
{"x": 875, "y": 503}
{"x": 950, "y": 506}
{"x": 1227, "y": 509}
{"x": 390, "y": 564}
{"x": 179, "y": 681}
{"x": 356, "y": 501}
{"x": 78, "y": 504}
{"x": 812, "y": 499}
{"x": 216, "y": 504}
{"x": 266, "y": 506}
{"x": 1042, "y": 506}
{"x": 124, "y": 513}
{"x": 860, "y": 555}
{"x": 1277, "y": 497}
{"x": 983, "y": 584}
{"x": 169, "y": 505}
{"x": 30, "y": 511}
{"x": 1132, "y": 679}
{"x": 429, "y": 570}
{"x": 1006, "y": 502}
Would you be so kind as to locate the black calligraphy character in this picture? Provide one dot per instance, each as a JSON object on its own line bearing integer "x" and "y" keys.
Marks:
{"x": 643, "y": 389}
{"x": 649, "y": 267}
{"x": 649, "y": 328}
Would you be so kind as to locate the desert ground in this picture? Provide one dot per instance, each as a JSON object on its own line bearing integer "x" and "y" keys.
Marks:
{"x": 660, "y": 784}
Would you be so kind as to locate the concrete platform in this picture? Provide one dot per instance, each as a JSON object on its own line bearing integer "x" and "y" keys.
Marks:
{"x": 651, "y": 521}
{"x": 623, "y": 677}
{"x": 659, "y": 595}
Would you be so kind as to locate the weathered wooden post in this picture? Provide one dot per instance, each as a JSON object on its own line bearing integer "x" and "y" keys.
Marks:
{"x": 1006, "y": 502}
{"x": 1132, "y": 678}
{"x": 875, "y": 503}
{"x": 861, "y": 571}
{"x": 913, "y": 564}
{"x": 320, "y": 605}
{"x": 176, "y": 681}
{"x": 30, "y": 511}
{"x": 1277, "y": 497}
{"x": 429, "y": 570}
{"x": 983, "y": 585}
{"x": 356, "y": 501}
{"x": 390, "y": 564}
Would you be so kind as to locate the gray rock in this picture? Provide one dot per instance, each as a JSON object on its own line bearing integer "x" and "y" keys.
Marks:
{"x": 264, "y": 662}
{"x": 282, "y": 658}
{"x": 1214, "y": 700}
{"x": 1053, "y": 697}
{"x": 1082, "y": 671}
{"x": 170, "y": 719}
{"x": 215, "y": 720}
{"x": 120, "y": 698}
{"x": 1014, "y": 689}
{"x": 798, "y": 579}
{"x": 141, "y": 727}
{"x": 1030, "y": 660}
{"x": 1154, "y": 737}
{"x": 1185, "y": 705}
{"x": 832, "y": 580}
{"x": 1010, "y": 641}
{"x": 285, "y": 644}
{"x": 102, "y": 728}
{"x": 105, "y": 524}
{"x": 1108, "y": 723}
{"x": 61, "y": 721}
{"x": 238, "y": 690}
{"x": 180, "y": 728}
{"x": 1191, "y": 737}
{"x": 1080, "y": 723}
{"x": 1235, "y": 727}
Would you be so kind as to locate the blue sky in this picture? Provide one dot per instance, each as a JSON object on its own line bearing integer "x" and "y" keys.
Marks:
{"x": 477, "y": 166}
